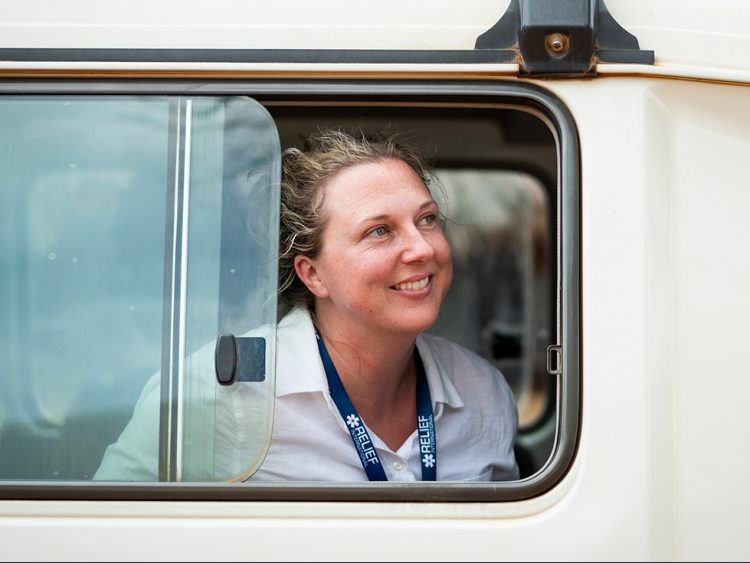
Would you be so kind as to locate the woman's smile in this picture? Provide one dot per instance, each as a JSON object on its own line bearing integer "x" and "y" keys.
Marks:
{"x": 412, "y": 285}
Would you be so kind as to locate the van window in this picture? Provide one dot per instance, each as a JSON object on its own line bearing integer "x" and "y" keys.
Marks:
{"x": 134, "y": 231}
{"x": 140, "y": 236}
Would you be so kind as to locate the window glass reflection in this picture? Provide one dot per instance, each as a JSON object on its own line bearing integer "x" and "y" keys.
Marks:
{"x": 81, "y": 275}
{"x": 499, "y": 304}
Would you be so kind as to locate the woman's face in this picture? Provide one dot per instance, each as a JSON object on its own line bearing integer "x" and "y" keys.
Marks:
{"x": 385, "y": 262}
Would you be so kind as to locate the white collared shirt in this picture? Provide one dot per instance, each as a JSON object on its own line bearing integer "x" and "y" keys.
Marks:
{"x": 475, "y": 417}
{"x": 473, "y": 406}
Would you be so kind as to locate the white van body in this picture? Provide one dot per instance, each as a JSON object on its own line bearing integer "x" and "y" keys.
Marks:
{"x": 659, "y": 469}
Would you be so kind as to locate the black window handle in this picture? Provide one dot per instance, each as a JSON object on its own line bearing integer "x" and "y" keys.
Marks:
{"x": 240, "y": 359}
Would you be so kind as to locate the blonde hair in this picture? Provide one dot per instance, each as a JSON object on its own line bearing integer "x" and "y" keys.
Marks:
{"x": 303, "y": 174}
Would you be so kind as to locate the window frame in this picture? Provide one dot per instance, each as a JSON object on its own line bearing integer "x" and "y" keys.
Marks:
{"x": 566, "y": 362}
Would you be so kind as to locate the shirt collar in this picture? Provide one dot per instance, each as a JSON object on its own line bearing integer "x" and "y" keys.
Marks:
{"x": 300, "y": 369}
{"x": 442, "y": 389}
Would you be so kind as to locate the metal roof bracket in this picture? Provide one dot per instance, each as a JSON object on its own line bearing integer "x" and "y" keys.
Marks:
{"x": 562, "y": 37}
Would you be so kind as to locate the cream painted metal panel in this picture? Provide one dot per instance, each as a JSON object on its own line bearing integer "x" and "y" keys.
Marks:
{"x": 665, "y": 277}
{"x": 709, "y": 187}
{"x": 295, "y": 24}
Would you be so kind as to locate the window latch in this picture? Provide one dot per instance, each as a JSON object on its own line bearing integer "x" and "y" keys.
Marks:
{"x": 554, "y": 359}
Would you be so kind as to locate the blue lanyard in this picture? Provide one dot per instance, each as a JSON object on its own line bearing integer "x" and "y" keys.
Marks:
{"x": 361, "y": 438}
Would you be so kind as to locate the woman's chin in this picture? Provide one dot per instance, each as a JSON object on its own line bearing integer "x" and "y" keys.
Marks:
{"x": 414, "y": 322}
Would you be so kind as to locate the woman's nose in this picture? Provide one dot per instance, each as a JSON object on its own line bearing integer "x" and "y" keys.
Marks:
{"x": 417, "y": 248}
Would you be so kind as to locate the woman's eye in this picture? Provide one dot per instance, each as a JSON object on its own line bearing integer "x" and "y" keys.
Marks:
{"x": 379, "y": 231}
{"x": 429, "y": 219}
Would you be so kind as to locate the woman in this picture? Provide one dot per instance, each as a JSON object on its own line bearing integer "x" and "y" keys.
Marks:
{"x": 362, "y": 392}
{"x": 365, "y": 266}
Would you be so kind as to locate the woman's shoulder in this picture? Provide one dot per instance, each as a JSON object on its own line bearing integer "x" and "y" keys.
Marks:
{"x": 458, "y": 363}
{"x": 451, "y": 353}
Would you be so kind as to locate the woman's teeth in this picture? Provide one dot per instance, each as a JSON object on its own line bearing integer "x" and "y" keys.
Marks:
{"x": 411, "y": 285}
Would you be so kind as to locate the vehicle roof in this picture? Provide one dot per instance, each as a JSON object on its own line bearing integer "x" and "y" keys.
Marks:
{"x": 702, "y": 33}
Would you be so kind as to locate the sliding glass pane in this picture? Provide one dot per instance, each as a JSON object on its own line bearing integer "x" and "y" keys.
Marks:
{"x": 133, "y": 232}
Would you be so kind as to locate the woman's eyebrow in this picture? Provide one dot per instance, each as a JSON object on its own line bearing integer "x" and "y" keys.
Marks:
{"x": 380, "y": 217}
{"x": 384, "y": 216}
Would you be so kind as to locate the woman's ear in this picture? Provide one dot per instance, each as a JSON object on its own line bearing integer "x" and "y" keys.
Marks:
{"x": 305, "y": 268}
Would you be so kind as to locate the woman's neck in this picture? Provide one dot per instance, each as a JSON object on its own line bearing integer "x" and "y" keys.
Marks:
{"x": 378, "y": 373}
